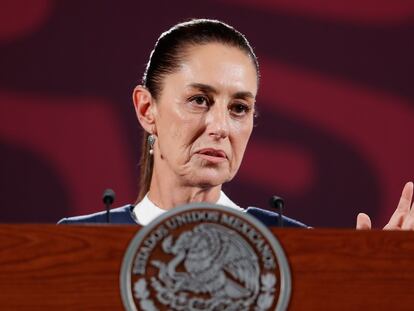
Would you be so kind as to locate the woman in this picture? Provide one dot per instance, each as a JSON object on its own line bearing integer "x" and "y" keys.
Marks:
{"x": 196, "y": 105}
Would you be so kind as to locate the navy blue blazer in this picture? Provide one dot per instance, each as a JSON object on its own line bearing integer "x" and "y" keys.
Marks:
{"x": 124, "y": 215}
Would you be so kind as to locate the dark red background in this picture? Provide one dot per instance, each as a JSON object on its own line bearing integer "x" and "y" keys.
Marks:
{"x": 336, "y": 103}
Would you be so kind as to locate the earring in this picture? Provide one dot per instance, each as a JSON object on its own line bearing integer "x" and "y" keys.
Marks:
{"x": 151, "y": 141}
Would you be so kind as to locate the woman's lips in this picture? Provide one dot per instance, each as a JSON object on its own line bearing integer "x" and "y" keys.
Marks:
{"x": 212, "y": 155}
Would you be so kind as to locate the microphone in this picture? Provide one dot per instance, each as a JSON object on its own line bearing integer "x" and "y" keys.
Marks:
{"x": 108, "y": 198}
{"x": 278, "y": 203}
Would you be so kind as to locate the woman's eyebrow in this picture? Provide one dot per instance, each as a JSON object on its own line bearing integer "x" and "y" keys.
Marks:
{"x": 210, "y": 89}
{"x": 243, "y": 95}
{"x": 204, "y": 87}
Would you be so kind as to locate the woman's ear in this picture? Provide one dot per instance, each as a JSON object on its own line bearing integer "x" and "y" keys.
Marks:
{"x": 144, "y": 108}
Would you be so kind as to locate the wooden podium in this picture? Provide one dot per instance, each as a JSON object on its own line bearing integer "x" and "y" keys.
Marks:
{"x": 48, "y": 267}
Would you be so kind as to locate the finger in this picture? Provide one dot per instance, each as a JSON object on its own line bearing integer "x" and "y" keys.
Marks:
{"x": 403, "y": 208}
{"x": 363, "y": 222}
{"x": 409, "y": 220}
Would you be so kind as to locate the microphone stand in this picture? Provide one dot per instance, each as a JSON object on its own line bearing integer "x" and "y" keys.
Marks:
{"x": 108, "y": 198}
{"x": 278, "y": 203}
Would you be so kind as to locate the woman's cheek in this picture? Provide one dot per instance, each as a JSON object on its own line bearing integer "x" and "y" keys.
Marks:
{"x": 241, "y": 138}
{"x": 242, "y": 129}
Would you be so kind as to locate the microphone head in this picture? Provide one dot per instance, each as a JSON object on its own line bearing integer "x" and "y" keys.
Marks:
{"x": 108, "y": 196}
{"x": 276, "y": 202}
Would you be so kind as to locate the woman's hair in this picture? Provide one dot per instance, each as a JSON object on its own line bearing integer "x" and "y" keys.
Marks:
{"x": 168, "y": 54}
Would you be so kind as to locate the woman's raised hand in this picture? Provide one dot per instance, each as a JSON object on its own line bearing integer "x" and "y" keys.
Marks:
{"x": 403, "y": 217}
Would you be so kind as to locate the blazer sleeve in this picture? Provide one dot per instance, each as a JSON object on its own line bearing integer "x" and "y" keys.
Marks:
{"x": 271, "y": 219}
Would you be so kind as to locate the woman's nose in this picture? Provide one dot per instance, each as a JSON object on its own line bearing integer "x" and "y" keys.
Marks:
{"x": 217, "y": 121}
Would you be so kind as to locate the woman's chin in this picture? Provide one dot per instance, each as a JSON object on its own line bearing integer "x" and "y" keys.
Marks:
{"x": 208, "y": 179}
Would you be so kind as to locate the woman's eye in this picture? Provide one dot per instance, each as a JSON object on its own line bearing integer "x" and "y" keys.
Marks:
{"x": 200, "y": 100}
{"x": 239, "y": 109}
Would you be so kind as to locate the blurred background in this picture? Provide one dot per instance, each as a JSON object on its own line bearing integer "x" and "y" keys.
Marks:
{"x": 336, "y": 104}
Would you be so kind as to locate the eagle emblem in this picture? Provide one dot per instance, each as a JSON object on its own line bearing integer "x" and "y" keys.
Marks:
{"x": 210, "y": 259}
{"x": 204, "y": 259}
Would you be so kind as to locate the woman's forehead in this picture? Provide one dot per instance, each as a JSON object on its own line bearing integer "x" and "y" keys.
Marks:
{"x": 219, "y": 66}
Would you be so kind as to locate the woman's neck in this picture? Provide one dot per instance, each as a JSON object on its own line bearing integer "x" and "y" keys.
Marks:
{"x": 167, "y": 194}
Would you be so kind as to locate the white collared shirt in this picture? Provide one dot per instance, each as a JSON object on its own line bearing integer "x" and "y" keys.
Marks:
{"x": 146, "y": 211}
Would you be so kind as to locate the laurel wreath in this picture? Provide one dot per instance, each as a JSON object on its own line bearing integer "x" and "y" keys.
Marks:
{"x": 264, "y": 301}
{"x": 141, "y": 293}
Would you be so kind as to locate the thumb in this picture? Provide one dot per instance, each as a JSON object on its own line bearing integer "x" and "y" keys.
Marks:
{"x": 363, "y": 222}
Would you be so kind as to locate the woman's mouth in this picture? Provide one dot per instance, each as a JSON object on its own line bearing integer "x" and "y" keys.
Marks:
{"x": 212, "y": 155}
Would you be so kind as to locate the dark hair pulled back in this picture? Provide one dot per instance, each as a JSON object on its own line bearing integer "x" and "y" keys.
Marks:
{"x": 168, "y": 54}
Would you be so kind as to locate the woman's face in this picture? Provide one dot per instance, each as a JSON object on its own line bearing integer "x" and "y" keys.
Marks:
{"x": 204, "y": 116}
